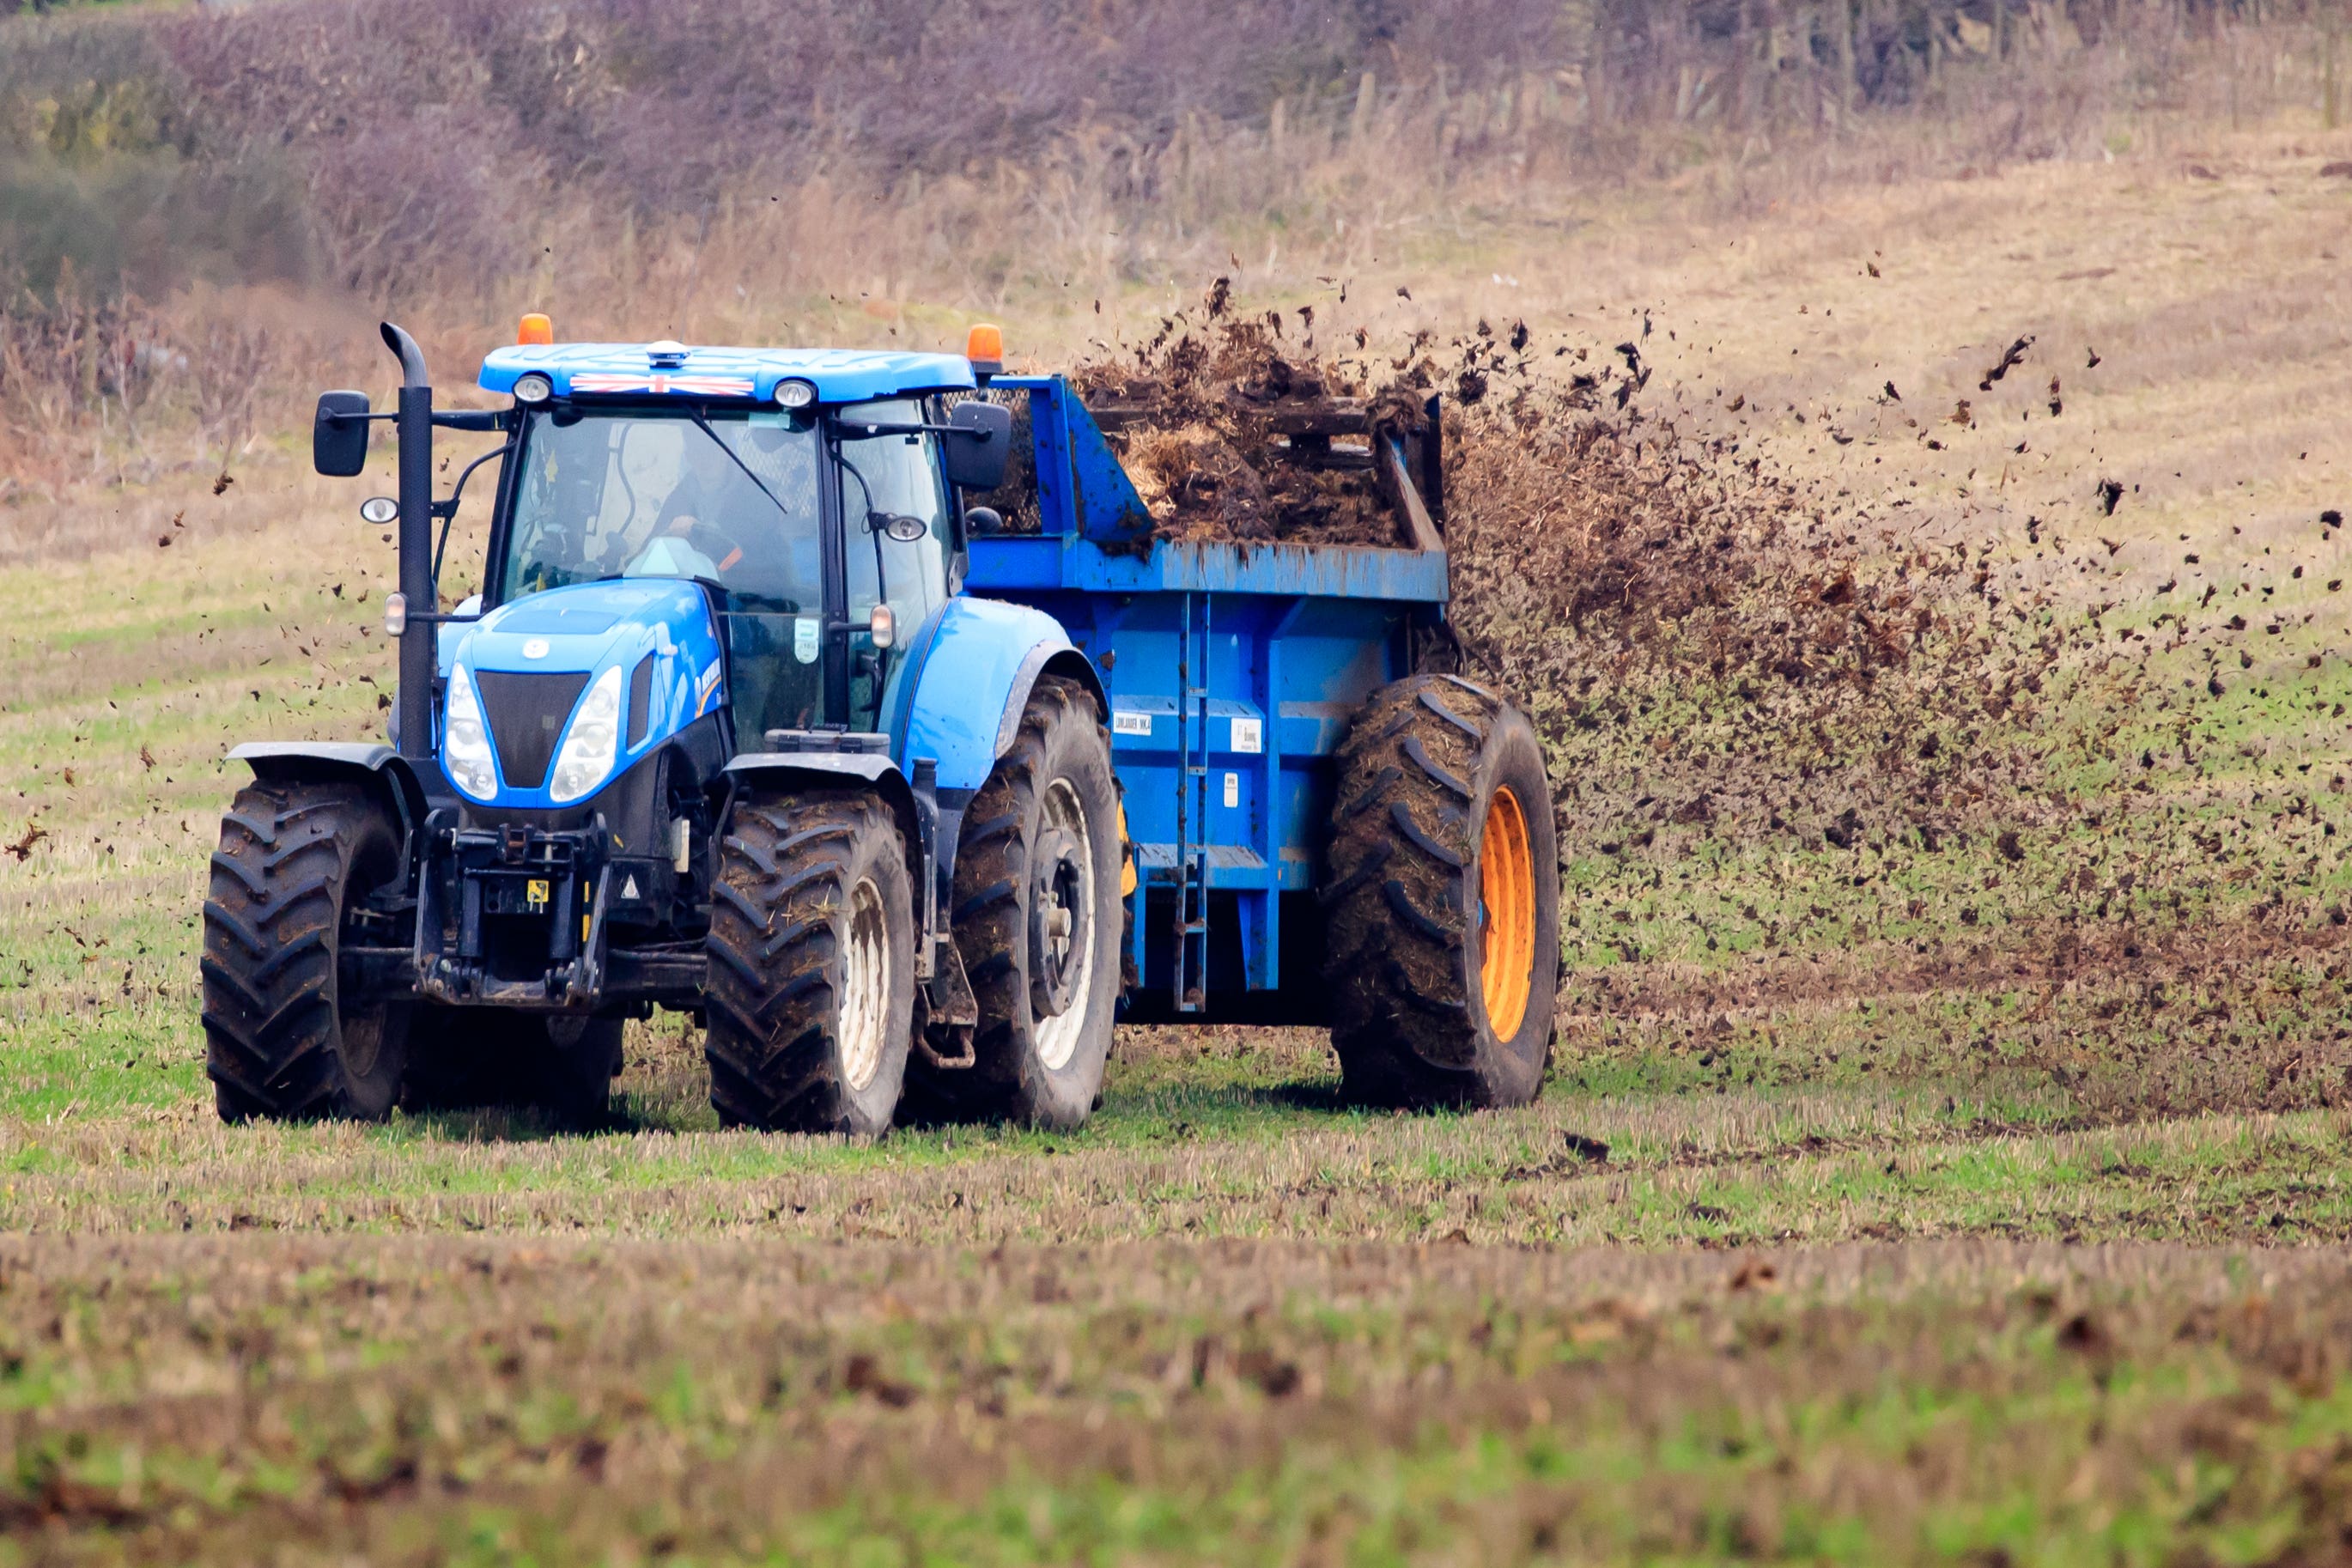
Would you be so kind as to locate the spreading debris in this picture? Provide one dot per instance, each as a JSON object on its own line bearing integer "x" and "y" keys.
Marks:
{"x": 1232, "y": 432}
{"x": 1236, "y": 427}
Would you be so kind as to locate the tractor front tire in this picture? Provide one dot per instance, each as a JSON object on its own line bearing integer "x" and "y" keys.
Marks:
{"x": 1038, "y": 919}
{"x": 1441, "y": 898}
{"x": 295, "y": 861}
{"x": 812, "y": 945}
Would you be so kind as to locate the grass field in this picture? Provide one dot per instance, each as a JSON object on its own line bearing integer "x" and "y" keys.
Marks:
{"x": 465, "y": 1400}
{"x": 1972, "y": 1189}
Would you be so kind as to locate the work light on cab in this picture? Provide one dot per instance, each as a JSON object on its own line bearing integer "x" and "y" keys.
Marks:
{"x": 984, "y": 346}
{"x": 533, "y": 388}
{"x": 795, "y": 394}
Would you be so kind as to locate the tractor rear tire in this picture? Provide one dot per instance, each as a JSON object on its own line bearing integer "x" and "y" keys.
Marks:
{"x": 1441, "y": 898}
{"x": 295, "y": 861}
{"x": 812, "y": 945}
{"x": 1039, "y": 922}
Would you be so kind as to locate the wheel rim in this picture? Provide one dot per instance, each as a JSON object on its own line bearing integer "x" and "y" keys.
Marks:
{"x": 1062, "y": 911}
{"x": 865, "y": 987}
{"x": 1506, "y": 914}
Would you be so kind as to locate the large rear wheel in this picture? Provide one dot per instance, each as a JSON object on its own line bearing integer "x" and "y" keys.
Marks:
{"x": 1038, "y": 919}
{"x": 812, "y": 945}
{"x": 1442, "y": 900}
{"x": 290, "y": 879}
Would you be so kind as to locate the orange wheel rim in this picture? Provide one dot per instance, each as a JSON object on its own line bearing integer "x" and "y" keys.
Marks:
{"x": 1506, "y": 914}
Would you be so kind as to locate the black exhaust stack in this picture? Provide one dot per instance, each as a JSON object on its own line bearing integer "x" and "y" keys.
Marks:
{"x": 415, "y": 425}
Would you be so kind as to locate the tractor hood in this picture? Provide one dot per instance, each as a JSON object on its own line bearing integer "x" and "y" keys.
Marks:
{"x": 617, "y": 667}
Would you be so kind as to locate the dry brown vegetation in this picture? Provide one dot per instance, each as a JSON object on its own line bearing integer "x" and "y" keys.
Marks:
{"x": 686, "y": 168}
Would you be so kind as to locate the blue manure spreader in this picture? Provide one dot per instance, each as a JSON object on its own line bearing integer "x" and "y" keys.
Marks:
{"x": 766, "y": 715}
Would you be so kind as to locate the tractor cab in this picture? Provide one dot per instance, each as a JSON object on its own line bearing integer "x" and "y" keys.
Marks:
{"x": 810, "y": 495}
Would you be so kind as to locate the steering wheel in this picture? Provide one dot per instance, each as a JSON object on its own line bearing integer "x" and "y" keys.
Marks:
{"x": 713, "y": 542}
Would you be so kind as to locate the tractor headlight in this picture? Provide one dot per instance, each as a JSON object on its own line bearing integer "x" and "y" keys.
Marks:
{"x": 465, "y": 744}
{"x": 595, "y": 741}
{"x": 533, "y": 388}
{"x": 794, "y": 394}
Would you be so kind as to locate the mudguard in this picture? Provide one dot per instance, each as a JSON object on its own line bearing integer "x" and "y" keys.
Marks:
{"x": 780, "y": 769}
{"x": 378, "y": 766}
{"x": 956, "y": 700}
{"x": 959, "y": 695}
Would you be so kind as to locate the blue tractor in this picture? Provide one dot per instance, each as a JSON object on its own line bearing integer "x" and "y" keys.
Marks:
{"x": 766, "y": 715}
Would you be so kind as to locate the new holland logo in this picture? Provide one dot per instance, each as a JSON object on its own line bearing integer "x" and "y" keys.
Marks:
{"x": 704, "y": 689}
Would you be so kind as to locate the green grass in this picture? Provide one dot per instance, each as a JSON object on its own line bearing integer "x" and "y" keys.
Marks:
{"x": 1884, "y": 1262}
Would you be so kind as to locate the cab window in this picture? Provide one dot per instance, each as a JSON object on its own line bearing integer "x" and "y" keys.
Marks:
{"x": 655, "y": 494}
{"x": 731, "y": 500}
{"x": 886, "y": 478}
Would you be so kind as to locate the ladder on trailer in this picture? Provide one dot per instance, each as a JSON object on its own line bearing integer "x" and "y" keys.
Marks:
{"x": 1192, "y": 979}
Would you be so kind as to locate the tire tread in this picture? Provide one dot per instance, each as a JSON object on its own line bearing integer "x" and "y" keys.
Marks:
{"x": 271, "y": 915}
{"x": 769, "y": 1039}
{"x": 1396, "y": 892}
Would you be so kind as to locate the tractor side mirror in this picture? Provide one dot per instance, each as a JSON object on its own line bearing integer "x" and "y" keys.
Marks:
{"x": 979, "y": 445}
{"x": 339, "y": 435}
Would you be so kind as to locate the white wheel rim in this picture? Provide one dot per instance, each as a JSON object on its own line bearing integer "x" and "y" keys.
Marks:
{"x": 865, "y": 987}
{"x": 1057, "y": 1038}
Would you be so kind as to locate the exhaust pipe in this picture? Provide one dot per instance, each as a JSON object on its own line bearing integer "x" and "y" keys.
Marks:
{"x": 414, "y": 424}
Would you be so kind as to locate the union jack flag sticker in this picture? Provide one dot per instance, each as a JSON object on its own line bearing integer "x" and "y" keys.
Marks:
{"x": 663, "y": 386}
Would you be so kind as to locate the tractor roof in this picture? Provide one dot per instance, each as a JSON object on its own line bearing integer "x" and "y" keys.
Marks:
{"x": 638, "y": 370}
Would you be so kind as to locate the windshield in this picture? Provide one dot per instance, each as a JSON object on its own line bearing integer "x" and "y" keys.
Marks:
{"x": 638, "y": 493}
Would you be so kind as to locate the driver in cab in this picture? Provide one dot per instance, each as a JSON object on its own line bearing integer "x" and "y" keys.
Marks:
{"x": 713, "y": 509}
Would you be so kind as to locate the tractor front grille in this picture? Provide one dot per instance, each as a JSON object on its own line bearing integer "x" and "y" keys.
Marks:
{"x": 526, "y": 713}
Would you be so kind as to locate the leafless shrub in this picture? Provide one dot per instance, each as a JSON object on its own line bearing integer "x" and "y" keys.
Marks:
{"x": 667, "y": 109}
{"x": 69, "y": 367}
{"x": 230, "y": 358}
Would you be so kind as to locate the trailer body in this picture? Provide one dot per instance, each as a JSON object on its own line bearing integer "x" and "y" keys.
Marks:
{"x": 1234, "y": 671}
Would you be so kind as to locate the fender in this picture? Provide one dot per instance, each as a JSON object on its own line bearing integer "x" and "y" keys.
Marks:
{"x": 960, "y": 696}
{"x": 957, "y": 701}
{"x": 879, "y": 774}
{"x": 370, "y": 762}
